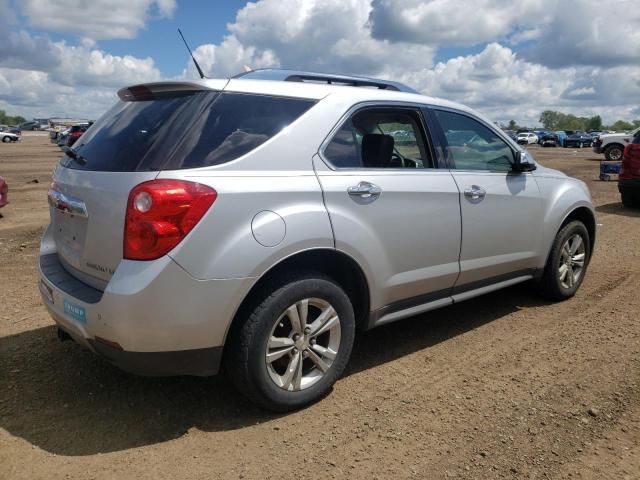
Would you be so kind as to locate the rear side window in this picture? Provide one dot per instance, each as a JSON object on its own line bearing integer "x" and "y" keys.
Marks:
{"x": 185, "y": 130}
{"x": 384, "y": 138}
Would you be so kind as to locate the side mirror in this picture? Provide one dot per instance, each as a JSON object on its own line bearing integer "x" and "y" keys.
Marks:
{"x": 524, "y": 162}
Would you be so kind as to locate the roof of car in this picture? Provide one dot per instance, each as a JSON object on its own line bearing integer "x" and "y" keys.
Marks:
{"x": 353, "y": 89}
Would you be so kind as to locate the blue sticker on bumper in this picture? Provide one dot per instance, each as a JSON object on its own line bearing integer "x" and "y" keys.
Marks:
{"x": 75, "y": 311}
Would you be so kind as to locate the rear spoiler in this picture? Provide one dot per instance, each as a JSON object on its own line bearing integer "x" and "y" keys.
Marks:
{"x": 147, "y": 91}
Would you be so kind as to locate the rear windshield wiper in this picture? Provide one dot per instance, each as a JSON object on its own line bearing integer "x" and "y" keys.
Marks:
{"x": 71, "y": 153}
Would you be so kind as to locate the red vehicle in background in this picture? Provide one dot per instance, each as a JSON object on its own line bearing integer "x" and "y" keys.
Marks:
{"x": 75, "y": 133}
{"x": 4, "y": 192}
{"x": 629, "y": 180}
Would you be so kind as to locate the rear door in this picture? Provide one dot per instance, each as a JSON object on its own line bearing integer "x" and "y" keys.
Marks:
{"x": 390, "y": 209}
{"x": 502, "y": 213}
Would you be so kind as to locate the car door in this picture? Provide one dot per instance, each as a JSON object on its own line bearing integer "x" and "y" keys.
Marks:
{"x": 391, "y": 210}
{"x": 501, "y": 210}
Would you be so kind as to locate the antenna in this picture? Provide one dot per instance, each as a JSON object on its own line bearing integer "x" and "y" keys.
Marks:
{"x": 192, "y": 57}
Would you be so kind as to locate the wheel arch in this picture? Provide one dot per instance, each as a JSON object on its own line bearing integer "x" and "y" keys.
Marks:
{"x": 337, "y": 265}
{"x": 587, "y": 217}
{"x": 583, "y": 214}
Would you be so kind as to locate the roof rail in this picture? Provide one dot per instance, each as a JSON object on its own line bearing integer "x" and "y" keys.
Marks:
{"x": 329, "y": 78}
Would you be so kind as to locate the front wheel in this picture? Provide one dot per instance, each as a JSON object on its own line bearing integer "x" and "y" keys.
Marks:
{"x": 613, "y": 153}
{"x": 294, "y": 345}
{"x": 6, "y": 139}
{"x": 567, "y": 262}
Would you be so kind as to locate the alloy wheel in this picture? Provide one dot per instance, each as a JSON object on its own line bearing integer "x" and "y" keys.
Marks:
{"x": 303, "y": 344}
{"x": 572, "y": 258}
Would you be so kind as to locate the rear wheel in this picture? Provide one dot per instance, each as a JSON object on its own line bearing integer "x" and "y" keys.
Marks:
{"x": 294, "y": 345}
{"x": 613, "y": 153}
{"x": 629, "y": 200}
{"x": 567, "y": 262}
{"x": 6, "y": 139}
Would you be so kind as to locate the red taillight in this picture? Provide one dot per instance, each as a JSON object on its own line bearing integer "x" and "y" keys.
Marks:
{"x": 160, "y": 213}
{"x": 75, "y": 134}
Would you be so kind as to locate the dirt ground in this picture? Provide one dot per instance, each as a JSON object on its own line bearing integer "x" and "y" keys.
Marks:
{"x": 503, "y": 386}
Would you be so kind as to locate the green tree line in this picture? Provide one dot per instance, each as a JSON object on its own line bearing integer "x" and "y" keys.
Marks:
{"x": 8, "y": 120}
{"x": 552, "y": 120}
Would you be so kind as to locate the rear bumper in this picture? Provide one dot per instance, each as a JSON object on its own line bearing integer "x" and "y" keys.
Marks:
{"x": 631, "y": 186}
{"x": 152, "y": 319}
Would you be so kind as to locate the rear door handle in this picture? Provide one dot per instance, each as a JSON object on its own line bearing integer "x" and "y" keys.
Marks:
{"x": 364, "y": 190}
{"x": 475, "y": 192}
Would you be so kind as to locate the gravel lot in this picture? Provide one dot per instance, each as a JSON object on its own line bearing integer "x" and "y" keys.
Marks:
{"x": 503, "y": 386}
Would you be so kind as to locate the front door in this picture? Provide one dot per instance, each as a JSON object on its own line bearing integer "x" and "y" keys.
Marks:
{"x": 501, "y": 210}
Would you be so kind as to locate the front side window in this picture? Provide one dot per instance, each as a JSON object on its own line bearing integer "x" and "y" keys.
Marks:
{"x": 379, "y": 138}
{"x": 472, "y": 145}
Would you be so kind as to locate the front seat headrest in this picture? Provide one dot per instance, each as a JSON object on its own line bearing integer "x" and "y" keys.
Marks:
{"x": 377, "y": 150}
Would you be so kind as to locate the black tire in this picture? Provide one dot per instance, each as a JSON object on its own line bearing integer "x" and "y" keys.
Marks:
{"x": 245, "y": 359}
{"x": 6, "y": 139}
{"x": 613, "y": 153}
{"x": 549, "y": 284}
{"x": 629, "y": 200}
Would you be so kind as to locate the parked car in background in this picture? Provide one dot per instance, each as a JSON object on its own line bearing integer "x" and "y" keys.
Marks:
{"x": 61, "y": 138}
{"x": 8, "y": 137}
{"x": 512, "y": 134}
{"x": 562, "y": 137}
{"x": 540, "y": 134}
{"x": 629, "y": 179}
{"x": 613, "y": 144}
{"x": 75, "y": 133}
{"x": 10, "y": 129}
{"x": 270, "y": 231}
{"x": 4, "y": 192}
{"x": 578, "y": 139}
{"x": 527, "y": 138}
{"x": 550, "y": 140}
{"x": 29, "y": 126}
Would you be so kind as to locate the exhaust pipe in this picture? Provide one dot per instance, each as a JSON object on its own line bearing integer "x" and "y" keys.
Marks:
{"x": 63, "y": 336}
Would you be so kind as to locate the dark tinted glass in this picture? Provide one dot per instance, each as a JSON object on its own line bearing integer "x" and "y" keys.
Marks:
{"x": 188, "y": 130}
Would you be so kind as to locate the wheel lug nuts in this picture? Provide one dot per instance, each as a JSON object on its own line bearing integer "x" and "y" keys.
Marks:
{"x": 294, "y": 351}
{"x": 307, "y": 330}
{"x": 312, "y": 341}
{"x": 305, "y": 354}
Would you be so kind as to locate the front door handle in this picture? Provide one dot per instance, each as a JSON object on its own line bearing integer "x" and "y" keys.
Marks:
{"x": 475, "y": 192}
{"x": 364, "y": 190}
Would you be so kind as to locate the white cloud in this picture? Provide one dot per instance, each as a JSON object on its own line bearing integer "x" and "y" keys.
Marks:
{"x": 97, "y": 20}
{"x": 582, "y": 58}
{"x": 74, "y": 65}
{"x": 457, "y": 23}
{"x": 502, "y": 85}
{"x": 321, "y": 35}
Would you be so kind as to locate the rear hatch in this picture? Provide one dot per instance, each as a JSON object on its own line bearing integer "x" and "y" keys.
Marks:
{"x": 153, "y": 128}
{"x": 129, "y": 145}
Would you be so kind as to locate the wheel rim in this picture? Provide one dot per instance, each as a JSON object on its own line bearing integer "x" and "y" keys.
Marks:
{"x": 303, "y": 344}
{"x": 615, "y": 154}
{"x": 572, "y": 258}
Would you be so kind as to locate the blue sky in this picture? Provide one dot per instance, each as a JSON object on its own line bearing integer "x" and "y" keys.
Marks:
{"x": 506, "y": 59}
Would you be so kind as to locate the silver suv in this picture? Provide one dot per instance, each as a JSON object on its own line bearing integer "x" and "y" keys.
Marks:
{"x": 255, "y": 223}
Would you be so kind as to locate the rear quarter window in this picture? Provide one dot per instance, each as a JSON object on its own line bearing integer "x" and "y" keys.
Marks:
{"x": 186, "y": 130}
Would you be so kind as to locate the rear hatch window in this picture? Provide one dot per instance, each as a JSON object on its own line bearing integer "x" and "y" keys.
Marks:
{"x": 182, "y": 130}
